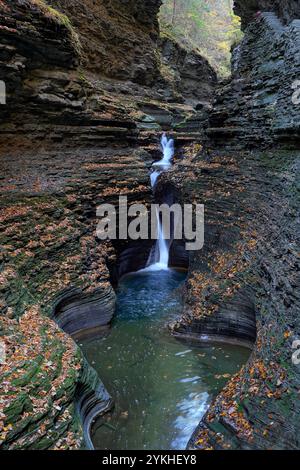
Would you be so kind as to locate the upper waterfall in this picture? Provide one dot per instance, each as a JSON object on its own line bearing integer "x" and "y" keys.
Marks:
{"x": 161, "y": 255}
{"x": 168, "y": 151}
{"x": 167, "y": 146}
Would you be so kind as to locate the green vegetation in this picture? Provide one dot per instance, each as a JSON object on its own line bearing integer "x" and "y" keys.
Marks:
{"x": 60, "y": 18}
{"x": 207, "y": 25}
{"x": 52, "y": 13}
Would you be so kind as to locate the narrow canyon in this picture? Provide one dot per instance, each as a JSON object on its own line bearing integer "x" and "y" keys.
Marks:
{"x": 91, "y": 89}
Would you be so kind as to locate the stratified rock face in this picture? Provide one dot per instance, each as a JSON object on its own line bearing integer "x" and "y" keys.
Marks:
{"x": 49, "y": 98}
{"x": 68, "y": 136}
{"x": 41, "y": 361}
{"x": 44, "y": 372}
{"x": 219, "y": 302}
{"x": 118, "y": 36}
{"x": 54, "y": 173}
{"x": 257, "y": 106}
{"x": 247, "y": 9}
{"x": 243, "y": 284}
{"x": 144, "y": 11}
{"x": 191, "y": 74}
{"x": 92, "y": 399}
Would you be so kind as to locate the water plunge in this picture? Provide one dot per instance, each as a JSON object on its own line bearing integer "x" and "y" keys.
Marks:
{"x": 161, "y": 386}
{"x": 160, "y": 260}
{"x": 168, "y": 152}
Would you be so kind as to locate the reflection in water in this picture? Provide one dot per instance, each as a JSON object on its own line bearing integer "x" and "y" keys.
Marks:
{"x": 161, "y": 386}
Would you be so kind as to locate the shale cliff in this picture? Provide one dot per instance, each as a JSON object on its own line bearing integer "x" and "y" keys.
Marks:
{"x": 89, "y": 87}
{"x": 118, "y": 37}
{"x": 256, "y": 107}
{"x": 243, "y": 286}
{"x": 248, "y": 9}
{"x": 86, "y": 85}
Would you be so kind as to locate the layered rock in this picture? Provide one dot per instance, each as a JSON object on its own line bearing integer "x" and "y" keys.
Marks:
{"x": 243, "y": 286}
{"x": 56, "y": 93}
{"x": 51, "y": 260}
{"x": 219, "y": 303}
{"x": 68, "y": 137}
{"x": 256, "y": 107}
{"x": 49, "y": 98}
{"x": 191, "y": 74}
{"x": 76, "y": 110}
{"x": 242, "y": 289}
{"x": 43, "y": 374}
{"x": 118, "y": 37}
{"x": 92, "y": 399}
{"x": 38, "y": 387}
{"x": 248, "y": 9}
{"x": 49, "y": 250}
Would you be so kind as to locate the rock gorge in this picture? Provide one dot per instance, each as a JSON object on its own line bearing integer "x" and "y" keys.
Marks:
{"x": 90, "y": 85}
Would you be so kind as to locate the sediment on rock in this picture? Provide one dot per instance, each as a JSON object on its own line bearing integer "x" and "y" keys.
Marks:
{"x": 186, "y": 69}
{"x": 69, "y": 136}
{"x": 248, "y": 9}
{"x": 216, "y": 309}
{"x": 38, "y": 387}
{"x": 234, "y": 323}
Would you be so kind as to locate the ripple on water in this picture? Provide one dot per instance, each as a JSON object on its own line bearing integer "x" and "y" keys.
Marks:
{"x": 161, "y": 386}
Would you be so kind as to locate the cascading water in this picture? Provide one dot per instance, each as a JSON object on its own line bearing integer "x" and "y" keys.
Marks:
{"x": 161, "y": 254}
{"x": 168, "y": 151}
{"x": 161, "y": 387}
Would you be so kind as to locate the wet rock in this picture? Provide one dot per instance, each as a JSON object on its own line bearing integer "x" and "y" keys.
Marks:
{"x": 190, "y": 72}
{"x": 239, "y": 291}
{"x": 239, "y": 285}
{"x": 249, "y": 9}
{"x": 255, "y": 108}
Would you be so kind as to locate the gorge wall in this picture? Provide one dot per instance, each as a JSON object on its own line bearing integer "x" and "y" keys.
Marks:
{"x": 255, "y": 108}
{"x": 247, "y": 9}
{"x": 89, "y": 84}
{"x": 118, "y": 37}
{"x": 79, "y": 105}
{"x": 243, "y": 286}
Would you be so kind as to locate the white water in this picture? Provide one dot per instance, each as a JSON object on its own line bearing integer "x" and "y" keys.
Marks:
{"x": 191, "y": 411}
{"x": 162, "y": 248}
{"x": 153, "y": 177}
{"x": 167, "y": 146}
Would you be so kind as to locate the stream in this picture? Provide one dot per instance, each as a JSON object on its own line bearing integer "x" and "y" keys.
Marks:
{"x": 161, "y": 386}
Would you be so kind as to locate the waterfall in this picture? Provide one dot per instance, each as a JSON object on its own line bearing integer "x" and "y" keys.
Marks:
{"x": 160, "y": 259}
{"x": 161, "y": 247}
{"x": 153, "y": 177}
{"x": 168, "y": 152}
